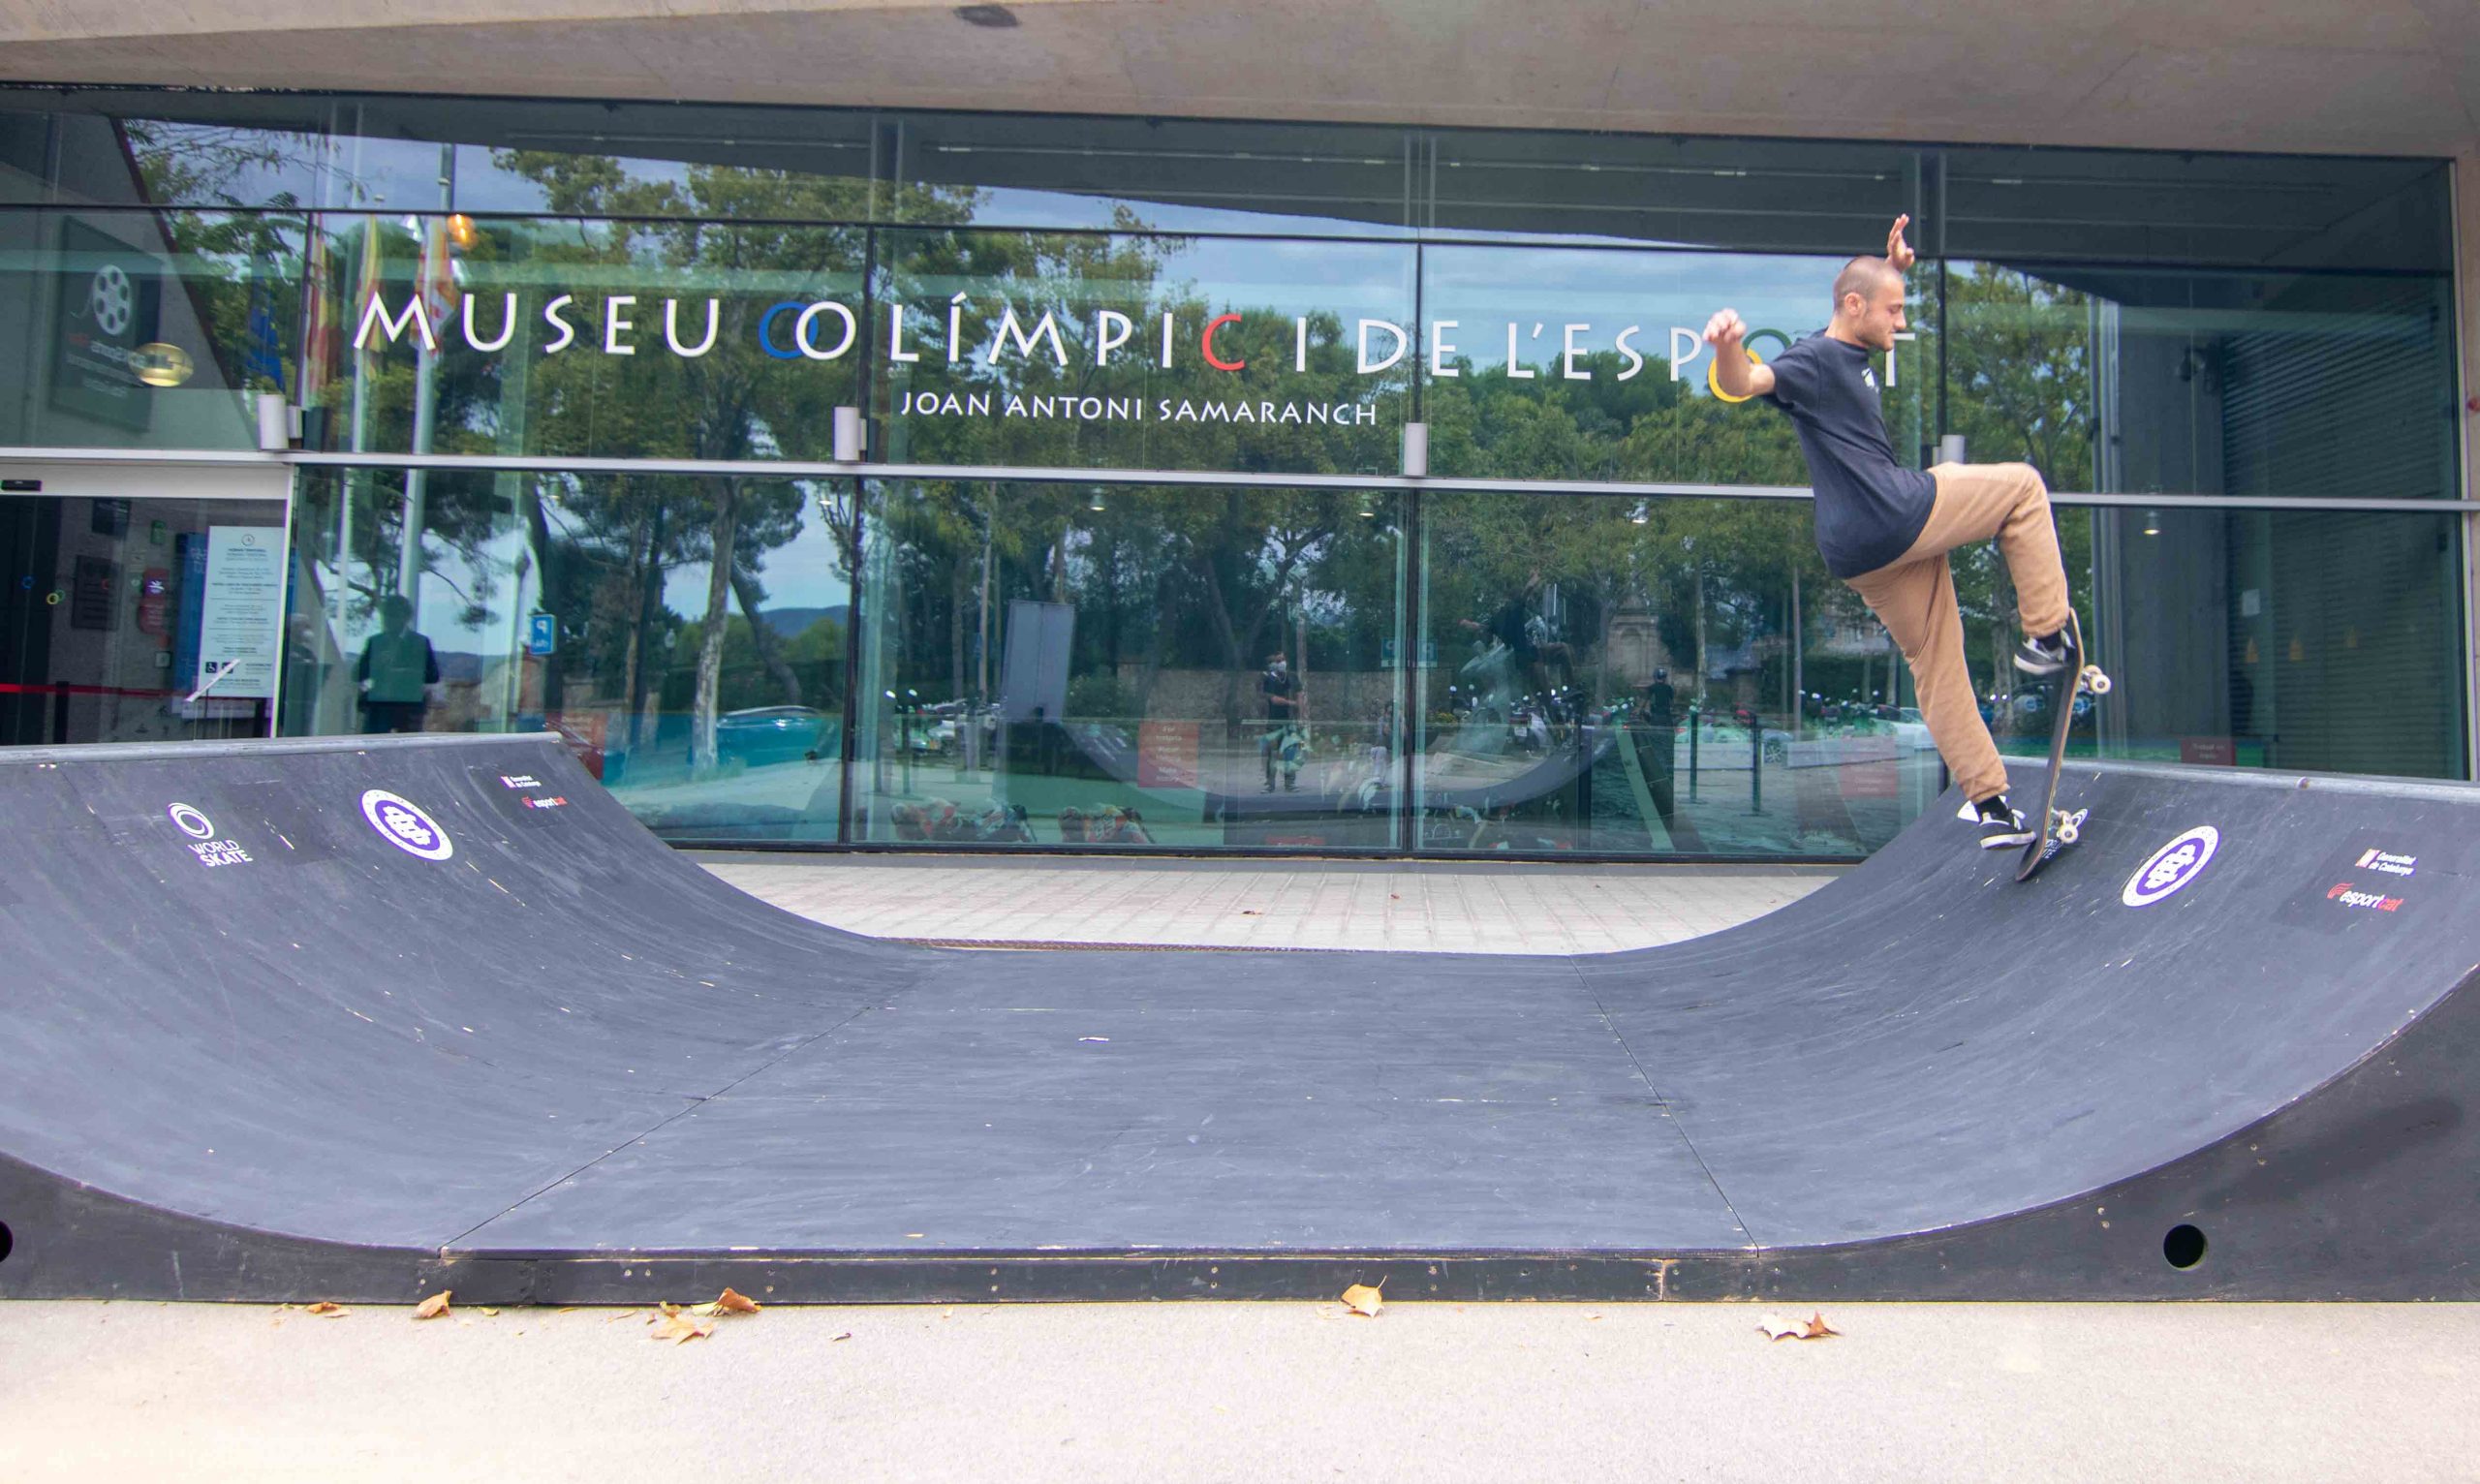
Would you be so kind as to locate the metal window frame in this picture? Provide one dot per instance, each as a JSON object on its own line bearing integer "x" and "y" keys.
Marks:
{"x": 1214, "y": 479}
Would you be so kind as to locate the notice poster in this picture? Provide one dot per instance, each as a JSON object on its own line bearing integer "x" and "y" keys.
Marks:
{"x": 1167, "y": 755}
{"x": 241, "y": 609}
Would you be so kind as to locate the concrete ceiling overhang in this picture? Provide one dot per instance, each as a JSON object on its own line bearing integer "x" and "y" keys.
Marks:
{"x": 2394, "y": 76}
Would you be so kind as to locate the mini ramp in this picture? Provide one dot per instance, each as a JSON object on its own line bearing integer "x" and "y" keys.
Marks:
{"x": 363, "y": 1018}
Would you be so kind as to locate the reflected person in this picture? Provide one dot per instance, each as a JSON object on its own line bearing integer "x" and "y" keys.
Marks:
{"x": 1280, "y": 689}
{"x": 1657, "y": 742}
{"x": 395, "y": 672}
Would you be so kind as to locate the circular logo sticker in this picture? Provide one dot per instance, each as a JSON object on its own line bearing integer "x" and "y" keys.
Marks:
{"x": 196, "y": 825}
{"x": 402, "y": 823}
{"x": 110, "y": 300}
{"x": 2172, "y": 867}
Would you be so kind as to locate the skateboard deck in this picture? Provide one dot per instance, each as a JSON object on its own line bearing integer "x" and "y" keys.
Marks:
{"x": 2060, "y": 828}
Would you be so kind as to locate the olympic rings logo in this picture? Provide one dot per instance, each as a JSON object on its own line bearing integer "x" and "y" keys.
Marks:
{"x": 1748, "y": 343}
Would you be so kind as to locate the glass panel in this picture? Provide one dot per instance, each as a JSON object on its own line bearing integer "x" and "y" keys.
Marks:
{"x": 113, "y": 149}
{"x": 1153, "y": 174}
{"x": 2323, "y": 641}
{"x": 1804, "y": 196}
{"x": 29, "y": 138}
{"x": 710, "y": 340}
{"x": 589, "y": 602}
{"x": 658, "y": 160}
{"x": 2284, "y": 211}
{"x": 142, "y": 329}
{"x": 2295, "y": 387}
{"x": 292, "y": 151}
{"x": 1558, "y": 363}
{"x": 120, "y": 612}
{"x": 1052, "y": 350}
{"x": 1653, "y": 677}
{"x": 1064, "y": 664}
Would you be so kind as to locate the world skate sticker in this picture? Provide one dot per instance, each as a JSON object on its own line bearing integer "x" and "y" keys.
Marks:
{"x": 2172, "y": 867}
{"x": 401, "y": 823}
{"x": 209, "y": 849}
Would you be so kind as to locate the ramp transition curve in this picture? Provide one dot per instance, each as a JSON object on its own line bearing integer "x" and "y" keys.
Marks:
{"x": 361, "y": 1018}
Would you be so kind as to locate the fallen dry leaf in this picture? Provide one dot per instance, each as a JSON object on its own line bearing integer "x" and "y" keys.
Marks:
{"x": 488, "y": 1312}
{"x": 728, "y": 1301}
{"x": 327, "y": 1310}
{"x": 1813, "y": 1327}
{"x": 432, "y": 1306}
{"x": 680, "y": 1329}
{"x": 1362, "y": 1299}
{"x": 840, "y": 1338}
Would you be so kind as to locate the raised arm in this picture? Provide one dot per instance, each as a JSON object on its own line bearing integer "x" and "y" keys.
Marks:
{"x": 1739, "y": 377}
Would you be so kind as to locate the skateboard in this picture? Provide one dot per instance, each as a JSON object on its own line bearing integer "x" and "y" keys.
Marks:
{"x": 2061, "y": 827}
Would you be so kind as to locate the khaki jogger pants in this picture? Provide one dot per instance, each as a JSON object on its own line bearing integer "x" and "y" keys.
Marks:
{"x": 1914, "y": 598}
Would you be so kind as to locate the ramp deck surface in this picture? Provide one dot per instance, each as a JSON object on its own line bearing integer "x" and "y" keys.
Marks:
{"x": 353, "y": 1018}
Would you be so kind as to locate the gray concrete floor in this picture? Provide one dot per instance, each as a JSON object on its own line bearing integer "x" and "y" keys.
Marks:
{"x": 156, "y": 1393}
{"x": 94, "y": 1392}
{"x": 1439, "y": 908}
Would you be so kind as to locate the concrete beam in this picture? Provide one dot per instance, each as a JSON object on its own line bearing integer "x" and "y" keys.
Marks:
{"x": 2377, "y": 76}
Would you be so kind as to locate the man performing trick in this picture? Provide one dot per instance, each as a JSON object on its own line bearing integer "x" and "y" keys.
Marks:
{"x": 1885, "y": 530}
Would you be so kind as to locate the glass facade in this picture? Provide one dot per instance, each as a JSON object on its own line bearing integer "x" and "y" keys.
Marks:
{"x": 1125, "y": 555}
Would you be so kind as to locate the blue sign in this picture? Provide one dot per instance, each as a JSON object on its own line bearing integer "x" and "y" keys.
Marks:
{"x": 543, "y": 636}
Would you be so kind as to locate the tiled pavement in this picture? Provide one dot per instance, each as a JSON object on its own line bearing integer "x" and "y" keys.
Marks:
{"x": 1441, "y": 907}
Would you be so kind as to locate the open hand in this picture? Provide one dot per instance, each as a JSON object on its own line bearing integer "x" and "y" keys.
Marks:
{"x": 1897, "y": 250}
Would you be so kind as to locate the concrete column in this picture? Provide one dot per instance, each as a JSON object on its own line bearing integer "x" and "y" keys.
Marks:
{"x": 2466, "y": 284}
{"x": 2467, "y": 266}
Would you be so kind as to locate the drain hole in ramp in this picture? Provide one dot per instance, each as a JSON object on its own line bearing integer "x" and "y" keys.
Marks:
{"x": 2185, "y": 1247}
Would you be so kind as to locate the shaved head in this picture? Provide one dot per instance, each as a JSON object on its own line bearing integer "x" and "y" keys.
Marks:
{"x": 1868, "y": 303}
{"x": 1864, "y": 276}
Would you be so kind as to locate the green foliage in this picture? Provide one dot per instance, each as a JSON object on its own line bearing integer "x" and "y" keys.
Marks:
{"x": 1097, "y": 695}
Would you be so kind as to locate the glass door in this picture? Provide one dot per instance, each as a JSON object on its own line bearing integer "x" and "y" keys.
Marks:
{"x": 141, "y": 603}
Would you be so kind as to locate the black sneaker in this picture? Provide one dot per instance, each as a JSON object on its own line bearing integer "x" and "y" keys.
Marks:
{"x": 2000, "y": 825}
{"x": 2042, "y": 657}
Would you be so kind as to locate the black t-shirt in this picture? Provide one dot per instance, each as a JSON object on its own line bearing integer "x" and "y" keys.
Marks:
{"x": 1274, "y": 682}
{"x": 1869, "y": 508}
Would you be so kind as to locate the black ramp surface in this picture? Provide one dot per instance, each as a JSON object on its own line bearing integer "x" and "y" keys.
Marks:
{"x": 348, "y": 1018}
{"x": 1372, "y": 1101}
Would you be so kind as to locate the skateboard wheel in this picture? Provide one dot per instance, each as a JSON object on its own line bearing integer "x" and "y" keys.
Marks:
{"x": 2068, "y": 834}
{"x": 2096, "y": 682}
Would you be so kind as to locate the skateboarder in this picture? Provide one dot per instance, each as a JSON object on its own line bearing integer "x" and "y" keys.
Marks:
{"x": 1886, "y": 530}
